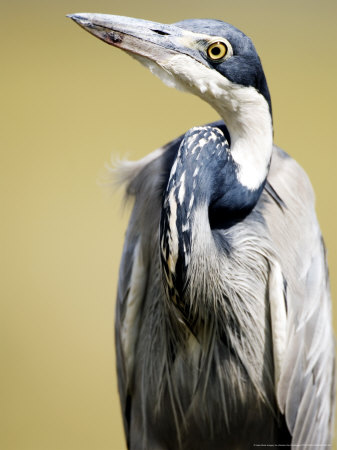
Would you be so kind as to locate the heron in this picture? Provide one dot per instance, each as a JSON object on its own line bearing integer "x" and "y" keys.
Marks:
{"x": 223, "y": 321}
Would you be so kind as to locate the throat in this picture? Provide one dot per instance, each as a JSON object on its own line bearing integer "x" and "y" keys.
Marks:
{"x": 248, "y": 118}
{"x": 245, "y": 111}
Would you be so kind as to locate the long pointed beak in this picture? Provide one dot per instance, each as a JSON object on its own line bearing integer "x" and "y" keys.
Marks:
{"x": 152, "y": 40}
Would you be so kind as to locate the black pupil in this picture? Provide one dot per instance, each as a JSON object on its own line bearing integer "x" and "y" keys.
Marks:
{"x": 215, "y": 51}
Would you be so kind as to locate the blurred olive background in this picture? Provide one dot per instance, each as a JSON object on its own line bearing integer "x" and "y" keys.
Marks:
{"x": 69, "y": 102}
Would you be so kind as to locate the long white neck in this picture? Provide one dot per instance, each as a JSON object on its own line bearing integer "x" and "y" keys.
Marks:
{"x": 244, "y": 110}
{"x": 247, "y": 116}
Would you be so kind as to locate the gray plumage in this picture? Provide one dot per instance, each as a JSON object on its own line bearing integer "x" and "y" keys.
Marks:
{"x": 306, "y": 391}
{"x": 223, "y": 320}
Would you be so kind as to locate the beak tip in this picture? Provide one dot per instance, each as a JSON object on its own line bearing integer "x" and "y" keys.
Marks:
{"x": 79, "y": 18}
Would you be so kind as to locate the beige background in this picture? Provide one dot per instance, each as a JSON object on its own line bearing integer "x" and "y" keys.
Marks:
{"x": 69, "y": 102}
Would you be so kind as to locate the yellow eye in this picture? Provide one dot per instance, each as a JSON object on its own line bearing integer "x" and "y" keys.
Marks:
{"x": 217, "y": 50}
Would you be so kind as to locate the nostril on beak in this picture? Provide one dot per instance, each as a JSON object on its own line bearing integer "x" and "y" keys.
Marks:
{"x": 162, "y": 33}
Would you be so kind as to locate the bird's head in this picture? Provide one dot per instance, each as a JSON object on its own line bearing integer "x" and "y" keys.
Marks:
{"x": 209, "y": 58}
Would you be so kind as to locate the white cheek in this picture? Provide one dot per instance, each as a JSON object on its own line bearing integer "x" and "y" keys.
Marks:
{"x": 159, "y": 71}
